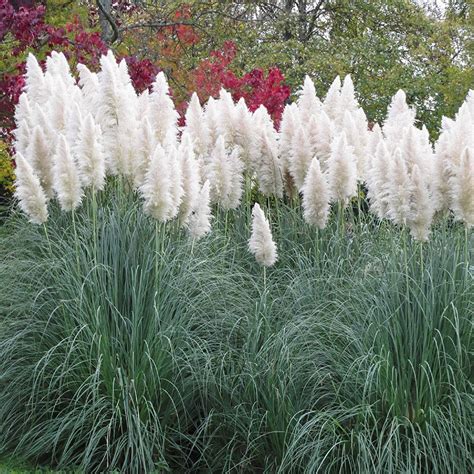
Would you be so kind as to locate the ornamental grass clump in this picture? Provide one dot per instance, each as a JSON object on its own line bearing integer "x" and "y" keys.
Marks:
{"x": 137, "y": 333}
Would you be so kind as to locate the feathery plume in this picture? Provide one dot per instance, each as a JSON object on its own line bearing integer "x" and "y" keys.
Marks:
{"x": 268, "y": 167}
{"x": 332, "y": 101}
{"x": 226, "y": 125}
{"x": 462, "y": 186}
{"x": 57, "y": 107}
{"x": 147, "y": 144}
{"x": 176, "y": 176}
{"x": 89, "y": 83}
{"x": 162, "y": 113}
{"x": 421, "y": 207}
{"x": 308, "y": 102}
{"x": 261, "y": 243}
{"x": 377, "y": 180}
{"x": 22, "y": 135}
{"x": 29, "y": 192}
{"x": 66, "y": 177}
{"x": 91, "y": 160}
{"x": 399, "y": 117}
{"x": 290, "y": 120}
{"x": 356, "y": 139}
{"x": 226, "y": 176}
{"x": 244, "y": 132}
{"x": 191, "y": 186}
{"x": 399, "y": 190}
{"x": 58, "y": 68}
{"x": 199, "y": 222}
{"x": 300, "y": 157}
{"x": 157, "y": 187}
{"x": 212, "y": 117}
{"x": 35, "y": 84}
{"x": 342, "y": 171}
{"x": 375, "y": 136}
{"x": 321, "y": 138}
{"x": 196, "y": 126}
{"x": 347, "y": 96}
{"x": 39, "y": 156}
{"x": 316, "y": 196}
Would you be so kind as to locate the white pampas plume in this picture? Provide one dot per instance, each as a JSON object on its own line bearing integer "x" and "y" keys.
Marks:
{"x": 29, "y": 192}
{"x": 308, "y": 102}
{"x": 177, "y": 190}
{"x": 51, "y": 135}
{"x": 399, "y": 117}
{"x": 91, "y": 159}
{"x": 290, "y": 120}
{"x": 321, "y": 137}
{"x": 262, "y": 119}
{"x": 212, "y": 117}
{"x": 199, "y": 222}
{"x": 356, "y": 138}
{"x": 316, "y": 196}
{"x": 421, "y": 207}
{"x": 39, "y": 156}
{"x": 300, "y": 157}
{"x": 162, "y": 113}
{"x": 225, "y": 170}
{"x": 89, "y": 83}
{"x": 267, "y": 164}
{"x": 244, "y": 132}
{"x": 196, "y": 126}
{"x": 191, "y": 185}
{"x": 226, "y": 124}
{"x": 58, "y": 106}
{"x": 35, "y": 84}
{"x": 66, "y": 177}
{"x": 23, "y": 110}
{"x": 116, "y": 113}
{"x": 22, "y": 135}
{"x": 462, "y": 189}
{"x": 332, "y": 101}
{"x": 25, "y": 122}
{"x": 375, "y": 136}
{"x": 58, "y": 67}
{"x": 399, "y": 190}
{"x": 143, "y": 105}
{"x": 342, "y": 171}
{"x": 347, "y": 98}
{"x": 414, "y": 151}
{"x": 157, "y": 187}
{"x": 147, "y": 145}
{"x": 127, "y": 129}
{"x": 442, "y": 172}
{"x": 74, "y": 121}
{"x": 261, "y": 243}
{"x": 377, "y": 180}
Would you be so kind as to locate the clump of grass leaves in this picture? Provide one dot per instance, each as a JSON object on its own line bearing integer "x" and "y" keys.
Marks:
{"x": 126, "y": 346}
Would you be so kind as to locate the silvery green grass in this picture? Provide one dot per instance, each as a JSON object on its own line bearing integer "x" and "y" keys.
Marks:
{"x": 223, "y": 297}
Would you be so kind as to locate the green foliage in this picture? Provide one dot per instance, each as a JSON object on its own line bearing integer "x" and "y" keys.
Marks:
{"x": 7, "y": 174}
{"x": 124, "y": 345}
{"x": 384, "y": 45}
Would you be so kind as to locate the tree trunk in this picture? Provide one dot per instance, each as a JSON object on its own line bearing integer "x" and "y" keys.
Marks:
{"x": 106, "y": 32}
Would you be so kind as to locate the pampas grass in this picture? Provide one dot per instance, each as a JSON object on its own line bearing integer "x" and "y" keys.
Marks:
{"x": 137, "y": 332}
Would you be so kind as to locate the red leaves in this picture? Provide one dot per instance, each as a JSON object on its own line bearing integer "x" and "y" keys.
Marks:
{"x": 256, "y": 88}
{"x": 142, "y": 72}
{"x": 28, "y": 28}
{"x": 25, "y": 25}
